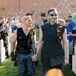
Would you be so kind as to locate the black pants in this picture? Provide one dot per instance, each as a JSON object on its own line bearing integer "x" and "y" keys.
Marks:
{"x": 50, "y": 63}
{"x": 70, "y": 61}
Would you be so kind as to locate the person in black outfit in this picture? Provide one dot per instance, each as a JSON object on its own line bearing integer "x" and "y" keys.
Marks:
{"x": 3, "y": 35}
{"x": 52, "y": 53}
{"x": 25, "y": 54}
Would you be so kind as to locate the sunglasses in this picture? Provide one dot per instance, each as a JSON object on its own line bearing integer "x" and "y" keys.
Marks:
{"x": 53, "y": 14}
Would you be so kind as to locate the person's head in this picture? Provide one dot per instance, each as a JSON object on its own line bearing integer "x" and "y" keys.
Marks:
{"x": 27, "y": 21}
{"x": 2, "y": 20}
{"x": 43, "y": 17}
{"x": 52, "y": 15}
{"x": 29, "y": 14}
{"x": 54, "y": 72}
{"x": 69, "y": 18}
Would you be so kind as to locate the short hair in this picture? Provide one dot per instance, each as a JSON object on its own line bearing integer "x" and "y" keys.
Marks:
{"x": 26, "y": 17}
{"x": 52, "y": 10}
{"x": 43, "y": 15}
{"x": 70, "y": 16}
{"x": 29, "y": 14}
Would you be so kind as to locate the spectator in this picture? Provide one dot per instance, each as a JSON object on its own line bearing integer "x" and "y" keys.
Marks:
{"x": 69, "y": 27}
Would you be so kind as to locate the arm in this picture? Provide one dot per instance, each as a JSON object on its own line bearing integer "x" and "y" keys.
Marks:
{"x": 3, "y": 27}
{"x": 34, "y": 43}
{"x": 71, "y": 34}
{"x": 38, "y": 46}
{"x": 66, "y": 47}
{"x": 65, "y": 41}
{"x": 40, "y": 42}
{"x": 13, "y": 40}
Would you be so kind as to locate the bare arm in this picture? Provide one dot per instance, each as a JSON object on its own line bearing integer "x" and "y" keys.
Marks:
{"x": 71, "y": 34}
{"x": 13, "y": 40}
{"x": 40, "y": 42}
{"x": 65, "y": 41}
{"x": 38, "y": 46}
{"x": 34, "y": 43}
{"x": 3, "y": 28}
{"x": 66, "y": 47}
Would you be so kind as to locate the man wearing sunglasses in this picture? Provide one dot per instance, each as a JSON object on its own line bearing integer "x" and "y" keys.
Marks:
{"x": 52, "y": 53}
{"x": 53, "y": 15}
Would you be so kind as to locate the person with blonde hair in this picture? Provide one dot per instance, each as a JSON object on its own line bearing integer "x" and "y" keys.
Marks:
{"x": 54, "y": 72}
{"x": 25, "y": 54}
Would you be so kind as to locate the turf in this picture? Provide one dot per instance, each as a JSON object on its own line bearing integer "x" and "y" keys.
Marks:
{"x": 7, "y": 69}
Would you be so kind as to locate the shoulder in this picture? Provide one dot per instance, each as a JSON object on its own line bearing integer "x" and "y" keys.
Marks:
{"x": 72, "y": 23}
{"x": 58, "y": 24}
{"x": 0, "y": 24}
{"x": 45, "y": 25}
{"x": 16, "y": 31}
{"x": 13, "y": 36}
{"x": 19, "y": 29}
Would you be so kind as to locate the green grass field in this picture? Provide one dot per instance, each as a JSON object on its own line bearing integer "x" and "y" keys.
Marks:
{"x": 7, "y": 69}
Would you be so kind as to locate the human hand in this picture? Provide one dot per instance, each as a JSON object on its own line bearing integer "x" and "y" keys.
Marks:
{"x": 12, "y": 56}
{"x": 34, "y": 57}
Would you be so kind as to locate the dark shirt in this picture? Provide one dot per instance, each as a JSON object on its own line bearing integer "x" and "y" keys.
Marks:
{"x": 51, "y": 45}
{"x": 23, "y": 41}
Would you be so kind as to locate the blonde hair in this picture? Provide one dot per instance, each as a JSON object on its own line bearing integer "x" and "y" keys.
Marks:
{"x": 24, "y": 18}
